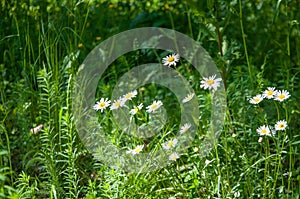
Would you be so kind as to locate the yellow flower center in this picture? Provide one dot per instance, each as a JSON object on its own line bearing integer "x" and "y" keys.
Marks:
{"x": 118, "y": 103}
{"x": 153, "y": 106}
{"x": 210, "y": 81}
{"x": 138, "y": 150}
{"x": 102, "y": 104}
{"x": 170, "y": 59}
{"x": 270, "y": 92}
{"x": 281, "y": 125}
{"x": 264, "y": 131}
{"x": 173, "y": 157}
{"x": 129, "y": 95}
{"x": 170, "y": 143}
{"x": 281, "y": 96}
{"x": 256, "y": 99}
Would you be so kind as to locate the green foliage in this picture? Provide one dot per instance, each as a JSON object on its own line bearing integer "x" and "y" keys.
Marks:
{"x": 255, "y": 44}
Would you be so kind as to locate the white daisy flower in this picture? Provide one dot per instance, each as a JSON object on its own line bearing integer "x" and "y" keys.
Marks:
{"x": 188, "y": 98}
{"x": 117, "y": 103}
{"x": 171, "y": 60}
{"x": 256, "y": 99}
{"x": 155, "y": 105}
{"x": 269, "y": 93}
{"x": 130, "y": 95}
{"x": 185, "y": 128}
{"x": 282, "y": 95}
{"x": 170, "y": 144}
{"x": 280, "y": 125}
{"x": 136, "y": 150}
{"x": 210, "y": 82}
{"x": 264, "y": 130}
{"x": 136, "y": 109}
{"x": 260, "y": 139}
{"x": 102, "y": 104}
{"x": 173, "y": 156}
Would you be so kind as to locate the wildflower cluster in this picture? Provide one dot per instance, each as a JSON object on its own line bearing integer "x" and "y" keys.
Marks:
{"x": 270, "y": 93}
{"x": 104, "y": 103}
{"x": 208, "y": 83}
{"x": 267, "y": 130}
{"x": 120, "y": 102}
{"x": 278, "y": 95}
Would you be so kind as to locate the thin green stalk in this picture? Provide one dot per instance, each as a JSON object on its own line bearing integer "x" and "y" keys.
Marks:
{"x": 290, "y": 148}
{"x": 279, "y": 150}
{"x": 225, "y": 83}
{"x": 279, "y": 165}
{"x": 227, "y": 157}
{"x": 9, "y": 156}
{"x": 219, "y": 170}
{"x": 220, "y": 44}
{"x": 222, "y": 66}
{"x": 266, "y": 173}
{"x": 190, "y": 23}
{"x": 173, "y": 27}
{"x": 85, "y": 20}
{"x": 277, "y": 109}
{"x": 290, "y": 168}
{"x": 244, "y": 42}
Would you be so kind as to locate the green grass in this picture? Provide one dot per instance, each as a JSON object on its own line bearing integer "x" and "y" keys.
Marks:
{"x": 255, "y": 45}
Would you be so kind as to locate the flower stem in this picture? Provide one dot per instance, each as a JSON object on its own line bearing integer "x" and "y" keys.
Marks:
{"x": 244, "y": 42}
